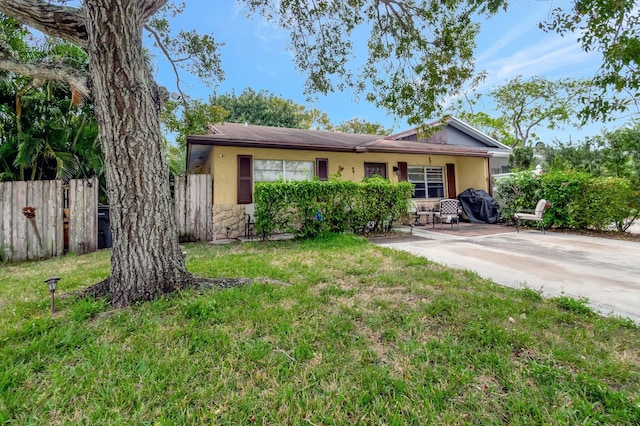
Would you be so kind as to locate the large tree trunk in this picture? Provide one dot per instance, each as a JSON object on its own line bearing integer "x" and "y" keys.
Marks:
{"x": 146, "y": 261}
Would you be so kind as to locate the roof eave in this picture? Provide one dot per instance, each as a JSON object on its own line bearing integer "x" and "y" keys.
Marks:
{"x": 397, "y": 150}
{"x": 203, "y": 140}
{"x": 196, "y": 140}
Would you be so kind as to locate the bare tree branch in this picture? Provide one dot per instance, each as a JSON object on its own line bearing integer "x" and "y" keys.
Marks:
{"x": 169, "y": 58}
{"x": 58, "y": 21}
{"x": 77, "y": 79}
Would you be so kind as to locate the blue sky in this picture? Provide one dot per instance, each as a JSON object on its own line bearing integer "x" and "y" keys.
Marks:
{"x": 255, "y": 55}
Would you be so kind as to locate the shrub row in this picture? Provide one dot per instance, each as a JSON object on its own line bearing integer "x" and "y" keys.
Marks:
{"x": 577, "y": 199}
{"x": 308, "y": 208}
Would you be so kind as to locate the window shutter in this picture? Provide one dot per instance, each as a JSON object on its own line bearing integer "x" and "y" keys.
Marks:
{"x": 403, "y": 176}
{"x": 245, "y": 179}
{"x": 322, "y": 168}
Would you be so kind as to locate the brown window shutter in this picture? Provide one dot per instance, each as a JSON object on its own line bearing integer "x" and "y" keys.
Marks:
{"x": 245, "y": 179}
{"x": 322, "y": 168}
{"x": 402, "y": 177}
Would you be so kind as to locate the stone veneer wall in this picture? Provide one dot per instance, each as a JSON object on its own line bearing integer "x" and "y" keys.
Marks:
{"x": 228, "y": 217}
{"x": 232, "y": 216}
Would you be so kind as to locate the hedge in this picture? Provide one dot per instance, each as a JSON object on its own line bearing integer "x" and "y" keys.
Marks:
{"x": 309, "y": 208}
{"x": 577, "y": 199}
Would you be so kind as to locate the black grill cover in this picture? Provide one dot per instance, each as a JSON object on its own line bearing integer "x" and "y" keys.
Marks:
{"x": 478, "y": 206}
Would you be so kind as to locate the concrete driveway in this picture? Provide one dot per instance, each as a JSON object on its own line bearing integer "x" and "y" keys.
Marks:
{"x": 607, "y": 272}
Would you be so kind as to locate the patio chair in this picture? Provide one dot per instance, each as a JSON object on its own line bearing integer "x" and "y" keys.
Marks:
{"x": 450, "y": 211}
{"x": 536, "y": 216}
{"x": 412, "y": 211}
{"x": 250, "y": 220}
{"x": 418, "y": 211}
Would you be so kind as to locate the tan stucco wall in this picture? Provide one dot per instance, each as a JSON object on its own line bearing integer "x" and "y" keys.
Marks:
{"x": 470, "y": 171}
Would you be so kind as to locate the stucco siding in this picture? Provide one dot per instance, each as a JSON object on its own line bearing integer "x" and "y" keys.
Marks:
{"x": 470, "y": 171}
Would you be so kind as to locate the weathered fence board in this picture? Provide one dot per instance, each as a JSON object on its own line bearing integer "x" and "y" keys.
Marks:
{"x": 19, "y": 246}
{"x": 6, "y": 201}
{"x": 193, "y": 207}
{"x": 180, "y": 204}
{"x": 83, "y": 215}
{"x": 34, "y": 240}
{"x": 22, "y": 238}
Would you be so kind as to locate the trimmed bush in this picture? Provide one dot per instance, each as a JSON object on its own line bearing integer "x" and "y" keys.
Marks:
{"x": 605, "y": 202}
{"x": 577, "y": 199}
{"x": 516, "y": 192}
{"x": 309, "y": 208}
{"x": 561, "y": 189}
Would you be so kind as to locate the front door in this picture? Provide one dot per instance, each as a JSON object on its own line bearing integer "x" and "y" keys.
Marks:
{"x": 451, "y": 181}
{"x": 375, "y": 169}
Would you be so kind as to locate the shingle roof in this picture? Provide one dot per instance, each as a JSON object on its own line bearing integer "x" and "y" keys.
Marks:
{"x": 280, "y": 137}
{"x": 242, "y": 135}
{"x": 488, "y": 141}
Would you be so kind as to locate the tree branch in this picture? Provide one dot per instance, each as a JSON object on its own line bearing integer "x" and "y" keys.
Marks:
{"x": 168, "y": 55}
{"x": 58, "y": 21}
{"x": 75, "y": 78}
{"x": 150, "y": 7}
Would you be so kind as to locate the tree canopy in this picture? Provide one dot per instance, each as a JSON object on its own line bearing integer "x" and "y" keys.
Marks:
{"x": 612, "y": 28}
{"x": 523, "y": 106}
{"x": 613, "y": 153}
{"x": 419, "y": 51}
{"x": 261, "y": 108}
{"x": 193, "y": 117}
{"x": 357, "y": 125}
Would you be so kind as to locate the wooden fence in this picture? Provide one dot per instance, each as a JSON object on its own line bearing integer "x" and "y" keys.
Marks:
{"x": 43, "y": 235}
{"x": 83, "y": 215}
{"x": 193, "y": 205}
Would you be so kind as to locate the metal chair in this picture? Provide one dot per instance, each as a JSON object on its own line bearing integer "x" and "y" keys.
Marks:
{"x": 417, "y": 211}
{"x": 449, "y": 210}
{"x": 412, "y": 211}
{"x": 536, "y": 216}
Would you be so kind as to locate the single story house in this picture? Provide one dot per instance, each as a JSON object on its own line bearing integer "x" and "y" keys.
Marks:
{"x": 453, "y": 159}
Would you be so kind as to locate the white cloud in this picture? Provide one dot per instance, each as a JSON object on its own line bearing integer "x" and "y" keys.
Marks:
{"x": 507, "y": 38}
{"x": 551, "y": 56}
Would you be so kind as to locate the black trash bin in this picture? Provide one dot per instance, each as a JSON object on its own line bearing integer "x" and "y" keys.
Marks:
{"x": 104, "y": 228}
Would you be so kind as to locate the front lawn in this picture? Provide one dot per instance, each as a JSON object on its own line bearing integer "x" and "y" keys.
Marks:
{"x": 344, "y": 332}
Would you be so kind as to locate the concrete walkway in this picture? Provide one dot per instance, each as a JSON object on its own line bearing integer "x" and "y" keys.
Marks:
{"x": 607, "y": 272}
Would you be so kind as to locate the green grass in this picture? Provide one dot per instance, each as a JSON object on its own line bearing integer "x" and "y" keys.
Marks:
{"x": 357, "y": 334}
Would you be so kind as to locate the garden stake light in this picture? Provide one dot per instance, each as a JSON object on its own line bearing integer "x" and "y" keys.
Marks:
{"x": 51, "y": 282}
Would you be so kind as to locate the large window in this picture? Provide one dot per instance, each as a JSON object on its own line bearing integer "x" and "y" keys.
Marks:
{"x": 272, "y": 170}
{"x": 428, "y": 181}
{"x": 375, "y": 169}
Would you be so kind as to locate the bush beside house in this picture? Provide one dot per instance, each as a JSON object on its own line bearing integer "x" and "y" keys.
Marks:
{"x": 309, "y": 208}
{"x": 577, "y": 200}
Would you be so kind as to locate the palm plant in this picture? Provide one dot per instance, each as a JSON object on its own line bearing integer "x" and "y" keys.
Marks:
{"x": 44, "y": 132}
